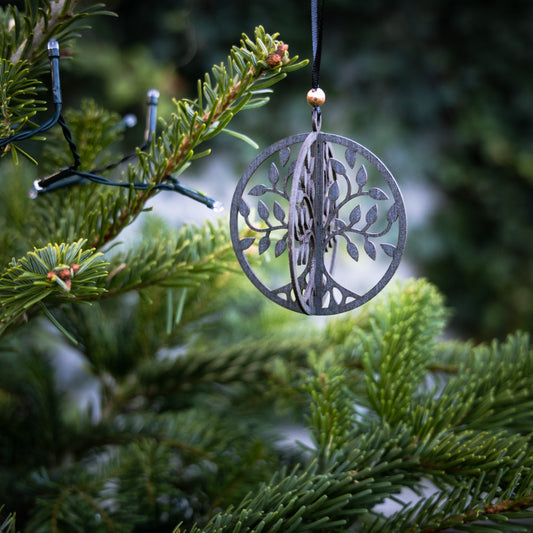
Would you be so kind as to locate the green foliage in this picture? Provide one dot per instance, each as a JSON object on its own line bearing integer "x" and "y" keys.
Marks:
{"x": 200, "y": 388}
{"x": 62, "y": 272}
{"x": 98, "y": 214}
{"x": 25, "y": 33}
{"x": 17, "y": 106}
{"x": 180, "y": 437}
{"x": 8, "y": 524}
{"x": 23, "y": 48}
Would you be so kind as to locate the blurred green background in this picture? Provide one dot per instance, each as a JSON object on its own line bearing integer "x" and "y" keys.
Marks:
{"x": 441, "y": 91}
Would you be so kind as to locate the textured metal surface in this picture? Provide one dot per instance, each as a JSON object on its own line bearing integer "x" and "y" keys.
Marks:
{"x": 310, "y": 202}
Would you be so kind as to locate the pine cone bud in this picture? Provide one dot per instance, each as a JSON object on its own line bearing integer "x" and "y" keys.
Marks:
{"x": 276, "y": 58}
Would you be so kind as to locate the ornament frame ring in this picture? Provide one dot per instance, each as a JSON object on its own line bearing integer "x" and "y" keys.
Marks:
{"x": 314, "y": 224}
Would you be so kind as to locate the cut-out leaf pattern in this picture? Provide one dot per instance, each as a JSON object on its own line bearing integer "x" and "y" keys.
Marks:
{"x": 339, "y": 224}
{"x": 284, "y": 155}
{"x": 393, "y": 214}
{"x": 263, "y": 210}
{"x": 279, "y": 213}
{"x": 333, "y": 192}
{"x": 337, "y": 166}
{"x": 372, "y": 215}
{"x": 273, "y": 174}
{"x": 377, "y": 194}
{"x": 292, "y": 166}
{"x": 281, "y": 246}
{"x": 264, "y": 244}
{"x": 353, "y": 251}
{"x": 389, "y": 249}
{"x": 361, "y": 178}
{"x": 258, "y": 190}
{"x": 355, "y": 215}
{"x": 350, "y": 157}
{"x": 354, "y": 204}
{"x": 244, "y": 244}
{"x": 244, "y": 210}
{"x": 370, "y": 249}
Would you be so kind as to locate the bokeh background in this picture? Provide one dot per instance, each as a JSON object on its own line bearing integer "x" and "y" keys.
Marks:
{"x": 441, "y": 90}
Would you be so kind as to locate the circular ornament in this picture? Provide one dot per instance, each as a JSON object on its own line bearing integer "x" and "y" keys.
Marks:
{"x": 320, "y": 204}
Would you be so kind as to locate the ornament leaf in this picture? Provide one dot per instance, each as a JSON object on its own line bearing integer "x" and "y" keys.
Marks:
{"x": 258, "y": 190}
{"x": 355, "y": 215}
{"x": 350, "y": 157}
{"x": 361, "y": 177}
{"x": 337, "y": 166}
{"x": 284, "y": 155}
{"x": 244, "y": 244}
{"x": 244, "y": 210}
{"x": 372, "y": 215}
{"x": 389, "y": 249}
{"x": 352, "y": 250}
{"x": 339, "y": 224}
{"x": 393, "y": 214}
{"x": 273, "y": 174}
{"x": 281, "y": 246}
{"x": 263, "y": 210}
{"x": 279, "y": 213}
{"x": 370, "y": 249}
{"x": 333, "y": 193}
{"x": 264, "y": 244}
{"x": 377, "y": 194}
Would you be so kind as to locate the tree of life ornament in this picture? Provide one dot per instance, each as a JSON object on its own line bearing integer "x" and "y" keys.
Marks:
{"x": 310, "y": 202}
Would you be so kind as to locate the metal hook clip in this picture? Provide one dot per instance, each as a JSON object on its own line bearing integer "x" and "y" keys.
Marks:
{"x": 317, "y": 119}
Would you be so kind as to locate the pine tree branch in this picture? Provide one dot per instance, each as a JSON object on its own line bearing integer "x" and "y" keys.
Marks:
{"x": 64, "y": 272}
{"x": 485, "y": 513}
{"x": 250, "y": 68}
{"x": 58, "y": 12}
{"x": 184, "y": 259}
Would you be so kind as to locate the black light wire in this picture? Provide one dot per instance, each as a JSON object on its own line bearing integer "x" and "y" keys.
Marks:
{"x": 72, "y": 175}
{"x": 53, "y": 54}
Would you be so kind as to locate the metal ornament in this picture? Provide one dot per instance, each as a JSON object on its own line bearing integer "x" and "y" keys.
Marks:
{"x": 314, "y": 200}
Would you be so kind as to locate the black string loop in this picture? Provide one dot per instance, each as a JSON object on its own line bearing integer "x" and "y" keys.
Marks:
{"x": 317, "y": 25}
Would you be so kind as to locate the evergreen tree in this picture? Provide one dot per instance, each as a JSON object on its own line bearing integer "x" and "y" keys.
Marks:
{"x": 201, "y": 384}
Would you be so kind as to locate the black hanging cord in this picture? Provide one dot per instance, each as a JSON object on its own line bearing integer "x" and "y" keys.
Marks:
{"x": 317, "y": 25}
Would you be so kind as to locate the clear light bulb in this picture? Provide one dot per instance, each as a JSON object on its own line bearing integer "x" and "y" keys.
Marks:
{"x": 218, "y": 207}
{"x": 129, "y": 120}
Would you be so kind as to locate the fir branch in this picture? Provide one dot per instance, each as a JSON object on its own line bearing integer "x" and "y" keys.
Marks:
{"x": 493, "y": 389}
{"x": 61, "y": 272}
{"x": 174, "y": 382}
{"x": 51, "y": 19}
{"x": 332, "y": 413}
{"x": 186, "y": 259}
{"x": 238, "y": 86}
{"x": 70, "y": 499}
{"x": 24, "y": 57}
{"x": 469, "y": 507}
{"x": 8, "y": 524}
{"x": 58, "y": 11}
{"x": 306, "y": 501}
{"x": 400, "y": 335}
{"x": 17, "y": 88}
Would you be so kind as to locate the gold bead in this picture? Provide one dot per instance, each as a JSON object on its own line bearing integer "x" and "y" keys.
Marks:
{"x": 316, "y": 97}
